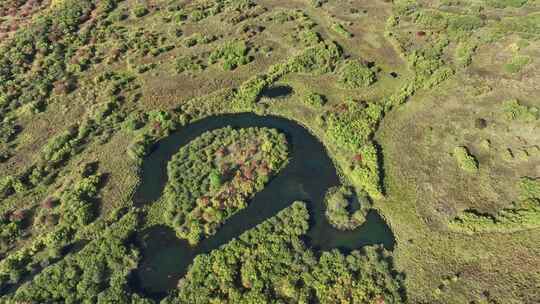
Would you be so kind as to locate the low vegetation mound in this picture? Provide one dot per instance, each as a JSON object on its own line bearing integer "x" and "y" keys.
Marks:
{"x": 523, "y": 214}
{"x": 215, "y": 175}
{"x": 341, "y": 203}
{"x": 465, "y": 159}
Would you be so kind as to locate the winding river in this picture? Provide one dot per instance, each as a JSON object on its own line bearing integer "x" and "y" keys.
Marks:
{"x": 307, "y": 177}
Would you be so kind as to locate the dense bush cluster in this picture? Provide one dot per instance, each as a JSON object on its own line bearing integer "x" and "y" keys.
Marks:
{"x": 516, "y": 64}
{"x": 98, "y": 273}
{"x": 215, "y": 175}
{"x": 231, "y": 54}
{"x": 314, "y": 99}
{"x": 200, "y": 10}
{"x": 270, "y": 263}
{"x": 318, "y": 59}
{"x": 76, "y": 209}
{"x": 11, "y": 226}
{"x": 158, "y": 124}
{"x": 340, "y": 208}
{"x": 428, "y": 65}
{"x": 353, "y": 124}
{"x": 355, "y": 75}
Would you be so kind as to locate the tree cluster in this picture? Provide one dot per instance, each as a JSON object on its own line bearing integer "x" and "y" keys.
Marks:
{"x": 271, "y": 264}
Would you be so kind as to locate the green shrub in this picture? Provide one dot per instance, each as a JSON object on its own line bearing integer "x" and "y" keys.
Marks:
{"x": 98, "y": 273}
{"x": 529, "y": 189}
{"x": 140, "y": 147}
{"x": 464, "y": 53}
{"x": 198, "y": 39}
{"x": 140, "y": 11}
{"x": 366, "y": 172}
{"x": 525, "y": 214}
{"x": 527, "y": 26}
{"x": 340, "y": 29}
{"x": 318, "y": 3}
{"x": 318, "y": 59}
{"x": 309, "y": 37}
{"x": 314, "y": 99}
{"x": 465, "y": 160}
{"x": 60, "y": 147}
{"x": 355, "y": 75}
{"x": 6, "y": 186}
{"x": 514, "y": 110}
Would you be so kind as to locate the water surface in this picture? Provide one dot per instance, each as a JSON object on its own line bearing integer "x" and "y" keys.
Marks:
{"x": 308, "y": 175}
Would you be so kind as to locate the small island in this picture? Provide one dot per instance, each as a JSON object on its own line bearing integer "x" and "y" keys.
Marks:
{"x": 215, "y": 175}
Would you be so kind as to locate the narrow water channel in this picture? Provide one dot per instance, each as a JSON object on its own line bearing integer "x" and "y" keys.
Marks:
{"x": 307, "y": 177}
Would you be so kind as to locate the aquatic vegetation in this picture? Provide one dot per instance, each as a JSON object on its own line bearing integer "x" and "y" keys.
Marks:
{"x": 214, "y": 176}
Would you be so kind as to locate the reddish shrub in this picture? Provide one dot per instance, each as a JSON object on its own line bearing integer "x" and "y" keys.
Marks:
{"x": 49, "y": 203}
{"x": 420, "y": 34}
{"x": 220, "y": 152}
